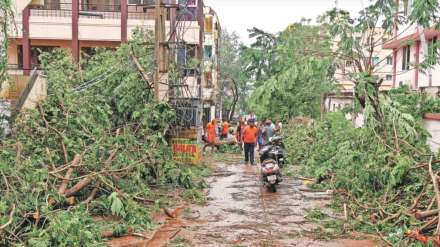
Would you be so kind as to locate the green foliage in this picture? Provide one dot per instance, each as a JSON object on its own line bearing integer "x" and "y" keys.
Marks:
{"x": 367, "y": 167}
{"x": 414, "y": 103}
{"x": 230, "y": 149}
{"x": 117, "y": 208}
{"x": 233, "y": 79}
{"x": 67, "y": 228}
{"x": 425, "y": 13}
{"x": 194, "y": 196}
{"x": 105, "y": 112}
{"x": 294, "y": 82}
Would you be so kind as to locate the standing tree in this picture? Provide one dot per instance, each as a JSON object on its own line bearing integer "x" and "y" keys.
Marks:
{"x": 356, "y": 40}
{"x": 289, "y": 81}
{"x": 232, "y": 79}
{"x": 259, "y": 56}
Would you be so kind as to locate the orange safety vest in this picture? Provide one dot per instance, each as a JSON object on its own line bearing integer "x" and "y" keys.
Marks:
{"x": 250, "y": 134}
{"x": 225, "y": 128}
{"x": 210, "y": 128}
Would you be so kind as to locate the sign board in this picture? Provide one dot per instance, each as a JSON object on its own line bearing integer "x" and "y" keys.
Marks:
{"x": 186, "y": 151}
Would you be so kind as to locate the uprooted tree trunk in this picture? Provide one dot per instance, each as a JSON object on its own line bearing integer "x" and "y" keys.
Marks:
{"x": 371, "y": 95}
{"x": 235, "y": 99}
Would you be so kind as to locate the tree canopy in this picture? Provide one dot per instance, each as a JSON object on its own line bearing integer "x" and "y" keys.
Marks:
{"x": 289, "y": 81}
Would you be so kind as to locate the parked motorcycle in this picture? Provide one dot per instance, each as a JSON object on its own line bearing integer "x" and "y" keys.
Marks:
{"x": 272, "y": 158}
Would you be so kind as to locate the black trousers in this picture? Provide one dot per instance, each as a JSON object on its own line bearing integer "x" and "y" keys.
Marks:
{"x": 249, "y": 152}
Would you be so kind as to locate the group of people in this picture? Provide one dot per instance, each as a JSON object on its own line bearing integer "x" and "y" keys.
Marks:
{"x": 255, "y": 134}
{"x": 248, "y": 135}
{"x": 212, "y": 128}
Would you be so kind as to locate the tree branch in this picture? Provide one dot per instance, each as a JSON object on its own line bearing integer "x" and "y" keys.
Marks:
{"x": 11, "y": 217}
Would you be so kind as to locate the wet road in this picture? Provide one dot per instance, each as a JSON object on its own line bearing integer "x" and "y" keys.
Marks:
{"x": 241, "y": 212}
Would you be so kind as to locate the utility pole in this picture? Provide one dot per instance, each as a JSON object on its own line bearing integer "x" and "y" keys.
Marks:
{"x": 159, "y": 47}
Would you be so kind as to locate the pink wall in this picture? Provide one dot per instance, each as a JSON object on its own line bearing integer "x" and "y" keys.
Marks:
{"x": 406, "y": 77}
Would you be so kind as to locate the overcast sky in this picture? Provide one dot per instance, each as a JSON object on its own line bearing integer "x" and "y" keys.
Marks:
{"x": 273, "y": 15}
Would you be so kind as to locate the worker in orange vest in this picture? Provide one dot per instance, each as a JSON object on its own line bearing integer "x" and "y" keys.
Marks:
{"x": 225, "y": 129}
{"x": 211, "y": 131}
{"x": 250, "y": 135}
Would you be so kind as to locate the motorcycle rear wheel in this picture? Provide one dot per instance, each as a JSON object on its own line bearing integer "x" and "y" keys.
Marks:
{"x": 272, "y": 188}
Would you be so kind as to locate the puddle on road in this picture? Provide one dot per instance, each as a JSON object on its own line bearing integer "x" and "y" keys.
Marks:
{"x": 241, "y": 212}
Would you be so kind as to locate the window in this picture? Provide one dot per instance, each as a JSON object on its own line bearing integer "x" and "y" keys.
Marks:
{"x": 189, "y": 72}
{"x": 181, "y": 55}
{"x": 208, "y": 52}
{"x": 191, "y": 51}
{"x": 208, "y": 79}
{"x": 187, "y": 14}
{"x": 389, "y": 60}
{"x": 20, "y": 56}
{"x": 375, "y": 60}
{"x": 185, "y": 53}
{"x": 406, "y": 57}
{"x": 54, "y": 4}
{"x": 188, "y": 3}
{"x": 388, "y": 77}
{"x": 432, "y": 51}
{"x": 135, "y": 2}
{"x": 108, "y": 5}
{"x": 208, "y": 24}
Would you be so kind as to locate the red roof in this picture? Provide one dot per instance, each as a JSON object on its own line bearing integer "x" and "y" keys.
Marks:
{"x": 397, "y": 43}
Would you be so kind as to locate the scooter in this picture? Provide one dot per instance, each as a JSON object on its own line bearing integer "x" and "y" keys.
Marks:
{"x": 272, "y": 158}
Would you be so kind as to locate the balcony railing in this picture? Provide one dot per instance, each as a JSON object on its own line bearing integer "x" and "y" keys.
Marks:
{"x": 94, "y": 11}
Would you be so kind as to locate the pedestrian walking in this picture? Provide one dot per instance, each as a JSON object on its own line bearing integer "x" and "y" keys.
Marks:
{"x": 250, "y": 135}
{"x": 268, "y": 130}
{"x": 260, "y": 137}
{"x": 211, "y": 131}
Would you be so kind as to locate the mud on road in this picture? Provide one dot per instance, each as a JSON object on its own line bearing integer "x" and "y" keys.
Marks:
{"x": 241, "y": 212}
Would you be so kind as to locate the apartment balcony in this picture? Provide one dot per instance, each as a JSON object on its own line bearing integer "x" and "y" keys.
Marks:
{"x": 97, "y": 22}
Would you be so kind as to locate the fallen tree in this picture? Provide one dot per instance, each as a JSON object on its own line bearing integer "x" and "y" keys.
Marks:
{"x": 388, "y": 176}
{"x": 91, "y": 150}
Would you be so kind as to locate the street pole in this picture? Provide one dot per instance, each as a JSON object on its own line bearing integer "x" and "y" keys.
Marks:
{"x": 159, "y": 51}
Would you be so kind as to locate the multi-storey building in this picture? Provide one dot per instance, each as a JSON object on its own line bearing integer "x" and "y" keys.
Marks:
{"x": 410, "y": 46}
{"x": 383, "y": 66}
{"x": 211, "y": 64}
{"x": 81, "y": 25}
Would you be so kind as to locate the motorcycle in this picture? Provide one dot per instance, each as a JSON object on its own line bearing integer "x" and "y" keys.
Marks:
{"x": 272, "y": 158}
